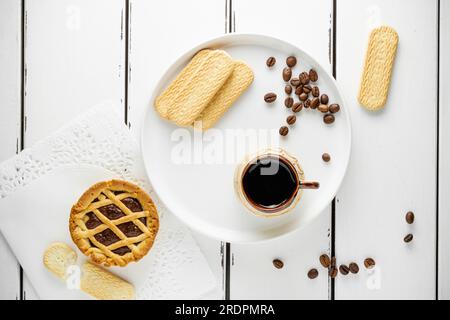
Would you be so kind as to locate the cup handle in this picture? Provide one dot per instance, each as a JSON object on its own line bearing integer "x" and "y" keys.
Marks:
{"x": 309, "y": 185}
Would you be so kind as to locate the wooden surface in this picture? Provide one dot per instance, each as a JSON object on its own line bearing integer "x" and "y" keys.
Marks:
{"x": 78, "y": 53}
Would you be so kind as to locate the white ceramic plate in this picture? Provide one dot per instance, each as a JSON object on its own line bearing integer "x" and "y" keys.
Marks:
{"x": 200, "y": 191}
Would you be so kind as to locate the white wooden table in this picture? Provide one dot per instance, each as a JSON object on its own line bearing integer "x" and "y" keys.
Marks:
{"x": 59, "y": 57}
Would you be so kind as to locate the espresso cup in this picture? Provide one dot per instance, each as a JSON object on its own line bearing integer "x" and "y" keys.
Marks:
{"x": 271, "y": 182}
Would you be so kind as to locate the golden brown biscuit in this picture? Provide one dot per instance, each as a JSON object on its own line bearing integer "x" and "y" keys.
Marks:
{"x": 58, "y": 257}
{"x": 378, "y": 66}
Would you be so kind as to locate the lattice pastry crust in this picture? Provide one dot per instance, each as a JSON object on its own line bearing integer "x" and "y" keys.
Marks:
{"x": 114, "y": 222}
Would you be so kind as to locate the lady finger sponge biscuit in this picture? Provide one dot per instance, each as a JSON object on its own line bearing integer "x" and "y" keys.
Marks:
{"x": 183, "y": 101}
{"x": 58, "y": 257}
{"x": 378, "y": 65}
{"x": 236, "y": 84}
{"x": 104, "y": 285}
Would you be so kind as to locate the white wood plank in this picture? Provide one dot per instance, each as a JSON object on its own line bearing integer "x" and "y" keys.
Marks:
{"x": 74, "y": 58}
{"x": 444, "y": 153}
{"x": 10, "y": 101}
{"x": 393, "y": 164}
{"x": 305, "y": 24}
{"x": 159, "y": 33}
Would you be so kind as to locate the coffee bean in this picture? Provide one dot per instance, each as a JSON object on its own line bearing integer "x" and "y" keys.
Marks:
{"x": 344, "y": 269}
{"x": 369, "y": 263}
{"x": 291, "y": 61}
{"x": 297, "y": 107}
{"x": 291, "y": 119}
{"x": 333, "y": 262}
{"x": 333, "y": 272}
{"x": 271, "y": 61}
{"x": 315, "y": 91}
{"x": 408, "y": 238}
{"x": 277, "y": 263}
{"x": 299, "y": 90}
{"x": 303, "y": 96}
{"x": 307, "y": 88}
{"x": 313, "y": 75}
{"x": 287, "y": 74}
{"x": 328, "y": 118}
{"x": 313, "y": 273}
{"x": 295, "y": 82}
{"x": 284, "y": 130}
{"x": 288, "y": 102}
{"x": 353, "y": 267}
{"x": 409, "y": 217}
{"x": 323, "y": 108}
{"x": 326, "y": 157}
{"x": 324, "y": 260}
{"x": 288, "y": 89}
{"x": 315, "y": 103}
{"x": 334, "y": 108}
{"x": 307, "y": 103}
{"x": 324, "y": 99}
{"x": 270, "y": 97}
{"x": 304, "y": 78}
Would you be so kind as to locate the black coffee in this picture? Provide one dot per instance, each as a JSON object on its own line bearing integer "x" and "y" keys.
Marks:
{"x": 270, "y": 182}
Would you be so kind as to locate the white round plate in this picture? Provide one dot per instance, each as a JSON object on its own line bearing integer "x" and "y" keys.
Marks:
{"x": 198, "y": 187}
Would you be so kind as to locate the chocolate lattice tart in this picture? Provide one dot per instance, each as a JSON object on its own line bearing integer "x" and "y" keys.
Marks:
{"x": 114, "y": 222}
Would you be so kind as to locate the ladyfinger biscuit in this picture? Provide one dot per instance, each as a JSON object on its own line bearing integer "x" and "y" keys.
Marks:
{"x": 378, "y": 65}
{"x": 236, "y": 84}
{"x": 163, "y": 102}
{"x": 104, "y": 285}
{"x": 58, "y": 257}
{"x": 198, "y": 91}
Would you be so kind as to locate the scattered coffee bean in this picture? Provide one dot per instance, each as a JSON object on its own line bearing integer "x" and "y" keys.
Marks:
{"x": 313, "y": 75}
{"x": 288, "y": 102}
{"x": 408, "y": 238}
{"x": 277, "y": 263}
{"x": 326, "y": 157}
{"x": 271, "y": 61}
{"x": 295, "y": 82}
{"x": 315, "y": 103}
{"x": 369, "y": 263}
{"x": 344, "y": 269}
{"x": 270, "y": 97}
{"x": 328, "y": 118}
{"x": 307, "y": 88}
{"x": 291, "y": 61}
{"x": 324, "y": 260}
{"x": 333, "y": 272}
{"x": 333, "y": 262}
{"x": 284, "y": 130}
{"x": 315, "y": 91}
{"x": 297, "y": 107}
{"x": 304, "y": 78}
{"x": 291, "y": 119}
{"x": 334, "y": 108}
{"x": 323, "y": 108}
{"x": 303, "y": 96}
{"x": 287, "y": 74}
{"x": 313, "y": 273}
{"x": 299, "y": 90}
{"x": 307, "y": 103}
{"x": 324, "y": 99}
{"x": 353, "y": 267}
{"x": 288, "y": 89}
{"x": 409, "y": 217}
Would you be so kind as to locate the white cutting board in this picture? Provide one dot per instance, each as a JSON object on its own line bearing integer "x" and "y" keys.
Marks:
{"x": 37, "y": 215}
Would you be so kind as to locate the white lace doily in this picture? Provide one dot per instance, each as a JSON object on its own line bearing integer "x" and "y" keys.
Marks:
{"x": 99, "y": 137}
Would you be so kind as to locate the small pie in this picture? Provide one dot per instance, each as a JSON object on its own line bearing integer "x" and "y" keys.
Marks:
{"x": 114, "y": 222}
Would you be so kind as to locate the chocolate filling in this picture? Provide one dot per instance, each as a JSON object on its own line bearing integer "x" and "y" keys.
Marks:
{"x": 113, "y": 212}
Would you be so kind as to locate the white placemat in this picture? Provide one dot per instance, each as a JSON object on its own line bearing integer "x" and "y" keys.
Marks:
{"x": 38, "y": 186}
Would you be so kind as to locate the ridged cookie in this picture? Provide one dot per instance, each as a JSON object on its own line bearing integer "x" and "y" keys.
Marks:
{"x": 58, "y": 257}
{"x": 236, "y": 84}
{"x": 104, "y": 285}
{"x": 164, "y": 101}
{"x": 378, "y": 66}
